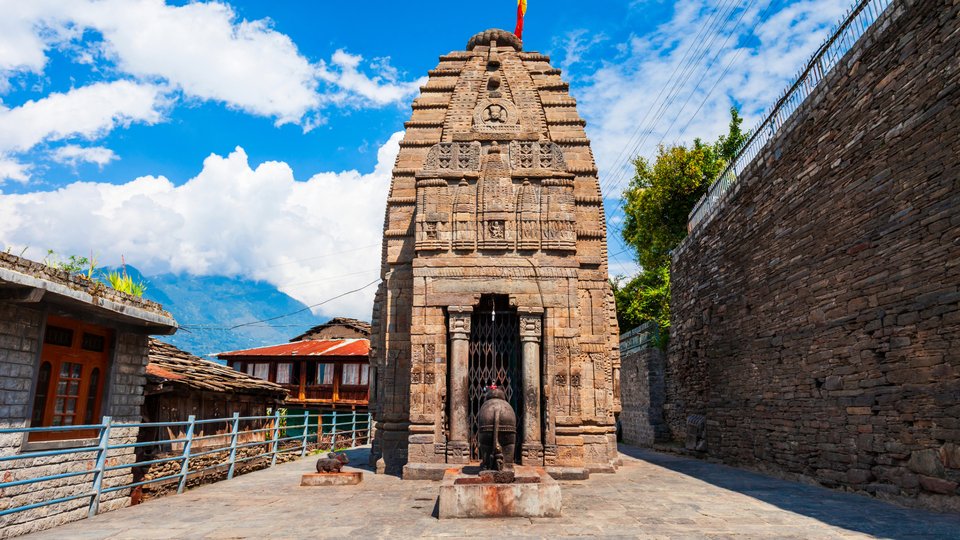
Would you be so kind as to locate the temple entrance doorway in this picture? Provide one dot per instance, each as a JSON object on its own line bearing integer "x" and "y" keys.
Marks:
{"x": 494, "y": 359}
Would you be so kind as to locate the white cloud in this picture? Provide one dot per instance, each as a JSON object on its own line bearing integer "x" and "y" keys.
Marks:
{"x": 620, "y": 100}
{"x": 204, "y": 50}
{"x": 200, "y": 48}
{"x": 574, "y": 46}
{"x": 11, "y": 169}
{"x": 89, "y": 112}
{"x": 231, "y": 219}
{"x": 73, "y": 154}
{"x": 343, "y": 72}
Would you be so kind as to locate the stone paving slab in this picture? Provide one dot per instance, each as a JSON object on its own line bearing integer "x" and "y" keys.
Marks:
{"x": 652, "y": 496}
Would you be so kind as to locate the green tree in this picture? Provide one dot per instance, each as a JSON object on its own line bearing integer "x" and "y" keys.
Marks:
{"x": 656, "y": 206}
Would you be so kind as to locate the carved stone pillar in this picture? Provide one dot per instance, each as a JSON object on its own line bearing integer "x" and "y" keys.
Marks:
{"x": 531, "y": 330}
{"x": 458, "y": 447}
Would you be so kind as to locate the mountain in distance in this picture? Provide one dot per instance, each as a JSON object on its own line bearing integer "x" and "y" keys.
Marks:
{"x": 206, "y": 307}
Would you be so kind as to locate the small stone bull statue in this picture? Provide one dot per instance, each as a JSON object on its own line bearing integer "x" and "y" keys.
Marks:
{"x": 332, "y": 463}
{"x": 497, "y": 436}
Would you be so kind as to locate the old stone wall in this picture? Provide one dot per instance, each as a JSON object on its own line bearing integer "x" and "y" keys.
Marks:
{"x": 642, "y": 391}
{"x": 816, "y": 316}
{"x": 20, "y": 333}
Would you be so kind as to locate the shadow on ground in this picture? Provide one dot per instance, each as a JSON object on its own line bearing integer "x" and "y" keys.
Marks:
{"x": 846, "y": 510}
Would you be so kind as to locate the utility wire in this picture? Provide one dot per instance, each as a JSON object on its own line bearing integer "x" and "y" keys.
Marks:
{"x": 723, "y": 13}
{"x": 308, "y": 307}
{"x": 314, "y": 257}
{"x": 700, "y": 54}
{"x": 722, "y": 76}
{"x": 251, "y": 323}
{"x": 673, "y": 83}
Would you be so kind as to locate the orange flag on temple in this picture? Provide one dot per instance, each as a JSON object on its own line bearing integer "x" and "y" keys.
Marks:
{"x": 521, "y": 11}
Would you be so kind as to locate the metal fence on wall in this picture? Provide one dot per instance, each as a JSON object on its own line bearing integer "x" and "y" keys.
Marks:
{"x": 851, "y": 28}
{"x": 330, "y": 431}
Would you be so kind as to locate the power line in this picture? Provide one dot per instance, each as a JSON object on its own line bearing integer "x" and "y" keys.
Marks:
{"x": 308, "y": 307}
{"x": 699, "y": 53}
{"x": 712, "y": 62}
{"x": 673, "y": 82}
{"x": 251, "y": 323}
{"x": 675, "y": 91}
{"x": 722, "y": 76}
{"x": 314, "y": 257}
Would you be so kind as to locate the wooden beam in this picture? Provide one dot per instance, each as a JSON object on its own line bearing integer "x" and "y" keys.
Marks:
{"x": 21, "y": 295}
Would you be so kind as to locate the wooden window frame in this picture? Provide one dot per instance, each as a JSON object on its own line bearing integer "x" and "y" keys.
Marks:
{"x": 57, "y": 356}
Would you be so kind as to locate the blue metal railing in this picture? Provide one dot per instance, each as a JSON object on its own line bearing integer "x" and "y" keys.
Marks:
{"x": 858, "y": 19}
{"x": 345, "y": 431}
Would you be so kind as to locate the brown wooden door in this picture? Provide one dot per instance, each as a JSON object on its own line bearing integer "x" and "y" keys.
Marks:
{"x": 73, "y": 369}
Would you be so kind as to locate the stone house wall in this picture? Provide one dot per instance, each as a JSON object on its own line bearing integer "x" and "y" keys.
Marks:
{"x": 816, "y": 315}
{"x": 20, "y": 338}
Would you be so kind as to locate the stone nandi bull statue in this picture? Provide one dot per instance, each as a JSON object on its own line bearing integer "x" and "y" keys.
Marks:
{"x": 497, "y": 437}
{"x": 332, "y": 463}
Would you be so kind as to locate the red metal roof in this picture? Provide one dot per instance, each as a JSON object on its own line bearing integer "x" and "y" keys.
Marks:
{"x": 323, "y": 347}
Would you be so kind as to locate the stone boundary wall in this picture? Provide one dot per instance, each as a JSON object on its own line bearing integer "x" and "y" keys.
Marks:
{"x": 19, "y": 341}
{"x": 642, "y": 390}
{"x": 816, "y": 315}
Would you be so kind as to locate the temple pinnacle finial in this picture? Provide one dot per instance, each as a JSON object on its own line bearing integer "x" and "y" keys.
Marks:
{"x": 502, "y": 37}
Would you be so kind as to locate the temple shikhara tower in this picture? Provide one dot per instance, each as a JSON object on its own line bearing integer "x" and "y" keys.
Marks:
{"x": 495, "y": 272}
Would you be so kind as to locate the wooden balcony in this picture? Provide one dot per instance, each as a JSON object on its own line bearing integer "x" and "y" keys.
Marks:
{"x": 303, "y": 394}
{"x": 329, "y": 394}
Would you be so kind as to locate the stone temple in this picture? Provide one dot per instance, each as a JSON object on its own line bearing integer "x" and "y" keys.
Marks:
{"x": 495, "y": 271}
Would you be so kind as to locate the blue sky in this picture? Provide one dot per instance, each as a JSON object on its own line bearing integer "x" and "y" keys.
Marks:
{"x": 255, "y": 139}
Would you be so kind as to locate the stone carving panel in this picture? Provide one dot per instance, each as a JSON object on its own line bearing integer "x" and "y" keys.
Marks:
{"x": 537, "y": 155}
{"x": 434, "y": 205}
{"x": 558, "y": 215}
{"x": 465, "y": 216}
{"x": 453, "y": 156}
{"x": 496, "y": 115}
{"x": 528, "y": 216}
{"x": 497, "y": 202}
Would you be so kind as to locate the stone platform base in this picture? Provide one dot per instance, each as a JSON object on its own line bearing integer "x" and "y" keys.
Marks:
{"x": 331, "y": 479}
{"x": 533, "y": 494}
{"x": 569, "y": 473}
{"x": 427, "y": 471}
{"x": 437, "y": 471}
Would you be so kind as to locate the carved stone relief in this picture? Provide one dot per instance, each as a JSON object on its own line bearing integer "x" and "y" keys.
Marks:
{"x": 496, "y": 115}
{"x": 537, "y": 155}
{"x": 453, "y": 156}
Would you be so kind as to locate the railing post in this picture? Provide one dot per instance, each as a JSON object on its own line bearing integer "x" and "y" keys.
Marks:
{"x": 306, "y": 429}
{"x": 234, "y": 433}
{"x": 276, "y": 436}
{"x": 353, "y": 420}
{"x": 185, "y": 466}
{"x": 333, "y": 432}
{"x": 319, "y": 429}
{"x": 101, "y": 465}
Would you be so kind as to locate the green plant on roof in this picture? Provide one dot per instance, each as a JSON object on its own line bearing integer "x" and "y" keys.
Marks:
{"x": 74, "y": 264}
{"x": 122, "y": 282}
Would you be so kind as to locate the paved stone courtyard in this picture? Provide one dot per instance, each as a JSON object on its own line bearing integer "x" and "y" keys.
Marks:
{"x": 652, "y": 496}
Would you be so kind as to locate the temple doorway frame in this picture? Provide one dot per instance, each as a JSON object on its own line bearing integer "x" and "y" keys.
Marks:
{"x": 531, "y": 368}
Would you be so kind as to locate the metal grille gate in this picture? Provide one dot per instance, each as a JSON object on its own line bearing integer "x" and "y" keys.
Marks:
{"x": 494, "y": 358}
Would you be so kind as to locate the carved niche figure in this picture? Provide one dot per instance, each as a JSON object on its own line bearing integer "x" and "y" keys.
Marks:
{"x": 497, "y": 436}
{"x": 496, "y": 115}
{"x": 464, "y": 216}
{"x": 528, "y": 216}
{"x": 496, "y": 200}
